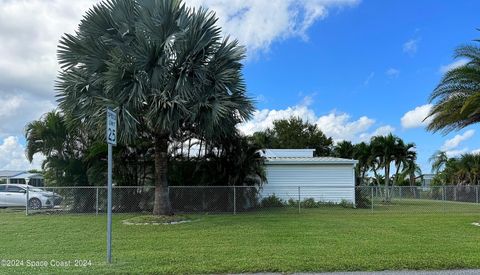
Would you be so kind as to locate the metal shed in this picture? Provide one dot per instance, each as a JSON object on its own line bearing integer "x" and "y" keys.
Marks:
{"x": 294, "y": 173}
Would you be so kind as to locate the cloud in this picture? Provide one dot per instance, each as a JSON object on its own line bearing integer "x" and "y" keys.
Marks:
{"x": 415, "y": 118}
{"x": 339, "y": 126}
{"x": 454, "y": 142}
{"x": 369, "y": 77}
{"x": 411, "y": 46}
{"x": 456, "y": 153}
{"x": 455, "y": 64}
{"x": 257, "y": 24}
{"x": 12, "y": 156}
{"x": 392, "y": 73}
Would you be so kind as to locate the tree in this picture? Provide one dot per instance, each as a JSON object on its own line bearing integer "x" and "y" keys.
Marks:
{"x": 404, "y": 157}
{"x": 385, "y": 148}
{"x": 457, "y": 96}
{"x": 293, "y": 133}
{"x": 362, "y": 153}
{"x": 162, "y": 66}
{"x": 439, "y": 160}
{"x": 344, "y": 149}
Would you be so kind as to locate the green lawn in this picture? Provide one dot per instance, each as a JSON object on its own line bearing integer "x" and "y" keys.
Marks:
{"x": 276, "y": 240}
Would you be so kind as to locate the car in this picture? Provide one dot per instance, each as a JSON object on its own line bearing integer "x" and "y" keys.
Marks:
{"x": 15, "y": 195}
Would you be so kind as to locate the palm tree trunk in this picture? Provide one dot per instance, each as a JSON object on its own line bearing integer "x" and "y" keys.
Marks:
{"x": 161, "y": 205}
{"x": 387, "y": 182}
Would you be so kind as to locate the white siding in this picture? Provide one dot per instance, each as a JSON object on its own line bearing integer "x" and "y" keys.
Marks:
{"x": 323, "y": 182}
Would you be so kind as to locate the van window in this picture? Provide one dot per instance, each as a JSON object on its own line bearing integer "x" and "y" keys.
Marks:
{"x": 3, "y": 188}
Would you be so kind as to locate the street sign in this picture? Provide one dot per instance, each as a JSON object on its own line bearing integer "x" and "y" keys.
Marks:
{"x": 111, "y": 127}
{"x": 111, "y": 140}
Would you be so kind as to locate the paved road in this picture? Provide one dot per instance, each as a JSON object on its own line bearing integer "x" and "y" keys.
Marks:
{"x": 409, "y": 272}
{"x": 403, "y": 272}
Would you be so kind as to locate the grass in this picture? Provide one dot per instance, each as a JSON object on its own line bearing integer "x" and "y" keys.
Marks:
{"x": 277, "y": 240}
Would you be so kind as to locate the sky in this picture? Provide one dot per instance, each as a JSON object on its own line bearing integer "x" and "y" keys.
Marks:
{"x": 356, "y": 68}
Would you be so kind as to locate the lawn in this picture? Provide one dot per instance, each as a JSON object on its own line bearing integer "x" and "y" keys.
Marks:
{"x": 275, "y": 240}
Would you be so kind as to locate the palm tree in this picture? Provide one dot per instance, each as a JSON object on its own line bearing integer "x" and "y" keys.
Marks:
{"x": 48, "y": 135}
{"x": 162, "y": 66}
{"x": 403, "y": 154}
{"x": 385, "y": 149}
{"x": 361, "y": 152}
{"x": 438, "y": 160}
{"x": 457, "y": 97}
{"x": 344, "y": 149}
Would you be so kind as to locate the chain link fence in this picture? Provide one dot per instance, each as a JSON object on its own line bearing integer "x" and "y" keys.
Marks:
{"x": 240, "y": 199}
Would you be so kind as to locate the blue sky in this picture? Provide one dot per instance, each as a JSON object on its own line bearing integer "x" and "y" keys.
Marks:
{"x": 356, "y": 68}
{"x": 378, "y": 59}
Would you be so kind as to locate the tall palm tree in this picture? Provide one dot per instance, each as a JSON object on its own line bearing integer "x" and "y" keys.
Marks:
{"x": 162, "y": 66}
{"x": 385, "y": 148}
{"x": 457, "y": 97}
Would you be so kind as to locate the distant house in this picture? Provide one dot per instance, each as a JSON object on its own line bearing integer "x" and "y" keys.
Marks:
{"x": 426, "y": 180}
{"x": 325, "y": 179}
{"x": 21, "y": 177}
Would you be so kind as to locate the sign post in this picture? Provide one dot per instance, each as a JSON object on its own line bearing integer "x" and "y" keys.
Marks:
{"x": 111, "y": 140}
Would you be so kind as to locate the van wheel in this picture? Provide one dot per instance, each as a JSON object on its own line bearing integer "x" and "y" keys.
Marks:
{"x": 34, "y": 204}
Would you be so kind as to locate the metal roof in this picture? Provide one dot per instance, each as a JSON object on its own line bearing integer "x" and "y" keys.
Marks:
{"x": 13, "y": 174}
{"x": 308, "y": 160}
{"x": 10, "y": 173}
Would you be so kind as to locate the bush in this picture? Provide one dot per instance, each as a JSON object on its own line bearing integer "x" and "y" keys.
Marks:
{"x": 346, "y": 204}
{"x": 309, "y": 203}
{"x": 272, "y": 201}
{"x": 362, "y": 199}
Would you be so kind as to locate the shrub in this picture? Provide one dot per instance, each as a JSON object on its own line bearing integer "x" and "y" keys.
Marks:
{"x": 309, "y": 203}
{"x": 346, "y": 204}
{"x": 272, "y": 201}
{"x": 292, "y": 203}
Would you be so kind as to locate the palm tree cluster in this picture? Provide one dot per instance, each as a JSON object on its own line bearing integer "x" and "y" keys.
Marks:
{"x": 461, "y": 170}
{"x": 382, "y": 153}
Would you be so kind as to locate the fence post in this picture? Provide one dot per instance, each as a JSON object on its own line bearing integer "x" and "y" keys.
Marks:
{"x": 299, "y": 200}
{"x": 444, "y": 197}
{"x": 26, "y": 202}
{"x": 476, "y": 191}
{"x": 96, "y": 201}
{"x": 400, "y": 191}
{"x": 371, "y": 198}
{"x": 234, "y": 200}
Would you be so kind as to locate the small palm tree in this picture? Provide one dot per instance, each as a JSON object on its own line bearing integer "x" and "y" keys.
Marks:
{"x": 438, "y": 160}
{"x": 457, "y": 97}
{"x": 162, "y": 66}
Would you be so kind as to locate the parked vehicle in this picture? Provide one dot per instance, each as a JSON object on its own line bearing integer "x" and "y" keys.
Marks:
{"x": 15, "y": 195}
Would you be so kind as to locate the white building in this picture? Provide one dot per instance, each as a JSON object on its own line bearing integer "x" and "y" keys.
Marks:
{"x": 325, "y": 179}
{"x": 21, "y": 177}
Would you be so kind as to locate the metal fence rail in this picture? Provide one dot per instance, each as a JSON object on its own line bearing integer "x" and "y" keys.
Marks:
{"x": 239, "y": 199}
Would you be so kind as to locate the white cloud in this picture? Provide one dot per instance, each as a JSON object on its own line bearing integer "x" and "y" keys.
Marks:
{"x": 380, "y": 131}
{"x": 257, "y": 24}
{"x": 12, "y": 156}
{"x": 416, "y": 118}
{"x": 392, "y": 73}
{"x": 454, "y": 142}
{"x": 456, "y": 153}
{"x": 369, "y": 77}
{"x": 339, "y": 126}
{"x": 455, "y": 64}
{"x": 411, "y": 46}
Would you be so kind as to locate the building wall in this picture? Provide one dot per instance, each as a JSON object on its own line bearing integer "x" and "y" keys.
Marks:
{"x": 323, "y": 182}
